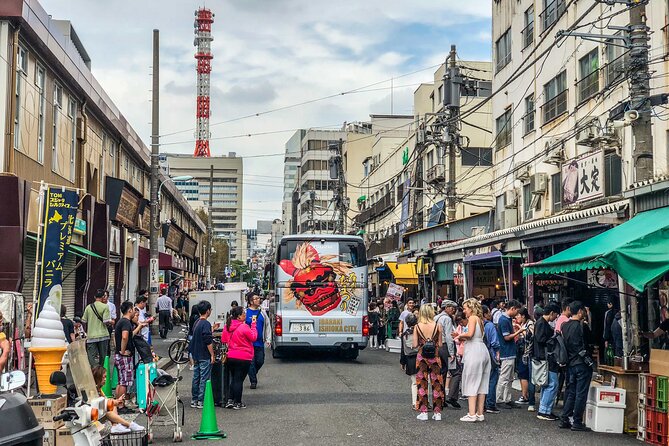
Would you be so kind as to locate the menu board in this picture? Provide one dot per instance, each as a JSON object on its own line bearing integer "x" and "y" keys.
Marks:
{"x": 128, "y": 208}
{"x": 173, "y": 238}
{"x": 189, "y": 247}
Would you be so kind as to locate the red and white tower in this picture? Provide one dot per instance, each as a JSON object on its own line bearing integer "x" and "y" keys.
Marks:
{"x": 203, "y": 20}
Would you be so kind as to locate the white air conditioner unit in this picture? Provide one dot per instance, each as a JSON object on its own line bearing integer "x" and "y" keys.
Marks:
{"x": 435, "y": 174}
{"x": 588, "y": 133}
{"x": 510, "y": 218}
{"x": 522, "y": 171}
{"x": 510, "y": 199}
{"x": 540, "y": 183}
{"x": 554, "y": 151}
{"x": 478, "y": 230}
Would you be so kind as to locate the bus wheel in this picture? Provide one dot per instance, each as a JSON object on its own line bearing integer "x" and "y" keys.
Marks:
{"x": 351, "y": 354}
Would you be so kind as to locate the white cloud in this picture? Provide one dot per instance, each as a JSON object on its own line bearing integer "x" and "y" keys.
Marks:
{"x": 267, "y": 55}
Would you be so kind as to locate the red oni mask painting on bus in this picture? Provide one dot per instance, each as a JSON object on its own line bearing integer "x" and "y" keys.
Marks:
{"x": 314, "y": 283}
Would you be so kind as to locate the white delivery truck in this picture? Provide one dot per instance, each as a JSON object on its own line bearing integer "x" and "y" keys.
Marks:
{"x": 220, "y": 300}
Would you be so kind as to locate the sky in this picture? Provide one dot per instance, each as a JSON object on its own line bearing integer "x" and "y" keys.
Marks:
{"x": 270, "y": 54}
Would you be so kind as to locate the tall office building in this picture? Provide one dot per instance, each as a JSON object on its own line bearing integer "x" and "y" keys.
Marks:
{"x": 227, "y": 191}
{"x": 291, "y": 165}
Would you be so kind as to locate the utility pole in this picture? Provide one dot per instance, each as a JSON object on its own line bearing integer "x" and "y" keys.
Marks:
{"x": 640, "y": 93}
{"x": 210, "y": 231}
{"x": 337, "y": 173}
{"x": 452, "y": 82}
{"x": 154, "y": 264}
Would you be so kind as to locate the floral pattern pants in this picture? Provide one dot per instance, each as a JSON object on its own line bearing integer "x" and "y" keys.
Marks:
{"x": 429, "y": 371}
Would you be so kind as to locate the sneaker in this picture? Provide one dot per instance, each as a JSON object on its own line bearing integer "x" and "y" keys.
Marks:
{"x": 531, "y": 408}
{"x": 580, "y": 428}
{"x": 229, "y": 404}
{"x": 193, "y": 404}
{"x": 119, "y": 429}
{"x": 547, "y": 416}
{"x": 239, "y": 406}
{"x": 511, "y": 405}
{"x": 522, "y": 400}
{"x": 436, "y": 416}
{"x": 454, "y": 403}
{"x": 480, "y": 417}
{"x": 135, "y": 427}
{"x": 564, "y": 425}
{"x": 199, "y": 404}
{"x": 469, "y": 418}
{"x": 422, "y": 416}
{"x": 254, "y": 385}
{"x": 492, "y": 410}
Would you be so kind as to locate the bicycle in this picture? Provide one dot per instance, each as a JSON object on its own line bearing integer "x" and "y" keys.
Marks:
{"x": 179, "y": 349}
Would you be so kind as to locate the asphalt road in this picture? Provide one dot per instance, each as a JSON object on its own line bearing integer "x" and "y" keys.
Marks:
{"x": 323, "y": 400}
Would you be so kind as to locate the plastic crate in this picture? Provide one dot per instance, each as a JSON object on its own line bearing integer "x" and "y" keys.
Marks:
{"x": 657, "y": 439}
{"x": 641, "y": 434}
{"x": 641, "y": 424}
{"x": 129, "y": 439}
{"x": 642, "y": 383}
{"x": 662, "y": 389}
{"x": 661, "y": 424}
{"x": 649, "y": 419}
{"x": 661, "y": 406}
{"x": 651, "y": 386}
{"x": 643, "y": 400}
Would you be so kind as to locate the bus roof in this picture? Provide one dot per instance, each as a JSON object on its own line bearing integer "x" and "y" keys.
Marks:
{"x": 321, "y": 236}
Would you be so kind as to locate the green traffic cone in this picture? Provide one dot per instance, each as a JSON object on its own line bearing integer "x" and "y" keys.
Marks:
{"x": 208, "y": 425}
{"x": 107, "y": 388}
{"x": 114, "y": 380}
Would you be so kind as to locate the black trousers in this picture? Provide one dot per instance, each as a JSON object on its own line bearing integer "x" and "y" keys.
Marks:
{"x": 227, "y": 381}
{"x": 454, "y": 383}
{"x": 238, "y": 371}
{"x": 164, "y": 322}
{"x": 216, "y": 383}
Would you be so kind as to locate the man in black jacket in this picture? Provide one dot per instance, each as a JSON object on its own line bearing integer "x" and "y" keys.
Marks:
{"x": 579, "y": 369}
{"x": 543, "y": 332}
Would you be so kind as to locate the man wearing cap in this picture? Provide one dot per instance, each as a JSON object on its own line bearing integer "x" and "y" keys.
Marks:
{"x": 445, "y": 319}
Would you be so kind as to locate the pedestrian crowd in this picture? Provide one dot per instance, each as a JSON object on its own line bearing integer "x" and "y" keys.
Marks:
{"x": 473, "y": 352}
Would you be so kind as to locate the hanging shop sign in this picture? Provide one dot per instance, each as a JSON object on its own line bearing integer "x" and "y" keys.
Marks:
{"x": 583, "y": 178}
{"x": 79, "y": 226}
{"x": 458, "y": 275}
{"x": 115, "y": 240}
{"x": 485, "y": 277}
{"x": 602, "y": 278}
{"x": 189, "y": 247}
{"x": 125, "y": 203}
{"x": 173, "y": 237}
{"x": 394, "y": 291}
{"x": 59, "y": 214}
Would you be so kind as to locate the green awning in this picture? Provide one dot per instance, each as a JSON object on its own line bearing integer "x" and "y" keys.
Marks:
{"x": 76, "y": 250}
{"x": 638, "y": 250}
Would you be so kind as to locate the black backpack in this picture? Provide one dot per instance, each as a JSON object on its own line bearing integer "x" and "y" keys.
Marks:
{"x": 556, "y": 350}
{"x": 429, "y": 350}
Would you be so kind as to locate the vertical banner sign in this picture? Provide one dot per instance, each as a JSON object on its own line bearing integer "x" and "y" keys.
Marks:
{"x": 60, "y": 211}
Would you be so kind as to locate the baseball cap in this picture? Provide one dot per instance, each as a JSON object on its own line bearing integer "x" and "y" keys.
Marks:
{"x": 448, "y": 303}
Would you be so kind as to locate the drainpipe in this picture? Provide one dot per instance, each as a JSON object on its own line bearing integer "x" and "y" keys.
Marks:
{"x": 11, "y": 116}
{"x": 82, "y": 143}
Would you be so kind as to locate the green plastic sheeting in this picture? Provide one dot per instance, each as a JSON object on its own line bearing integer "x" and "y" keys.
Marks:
{"x": 638, "y": 250}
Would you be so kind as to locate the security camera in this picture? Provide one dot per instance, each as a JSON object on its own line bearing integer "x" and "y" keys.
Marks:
{"x": 631, "y": 116}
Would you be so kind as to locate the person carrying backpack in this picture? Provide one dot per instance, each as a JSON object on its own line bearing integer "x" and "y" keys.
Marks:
{"x": 97, "y": 317}
{"x": 545, "y": 370}
{"x": 427, "y": 338}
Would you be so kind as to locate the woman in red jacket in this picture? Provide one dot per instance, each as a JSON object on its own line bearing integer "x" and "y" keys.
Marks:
{"x": 239, "y": 338}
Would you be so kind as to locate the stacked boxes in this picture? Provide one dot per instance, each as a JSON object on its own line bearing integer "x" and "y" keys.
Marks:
{"x": 653, "y": 418}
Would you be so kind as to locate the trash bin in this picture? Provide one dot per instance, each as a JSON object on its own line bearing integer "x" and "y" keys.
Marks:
{"x": 605, "y": 409}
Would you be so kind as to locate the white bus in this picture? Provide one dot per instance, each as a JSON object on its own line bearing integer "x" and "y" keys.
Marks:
{"x": 321, "y": 296}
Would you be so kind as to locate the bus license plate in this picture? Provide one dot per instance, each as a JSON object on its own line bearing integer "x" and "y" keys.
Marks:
{"x": 301, "y": 327}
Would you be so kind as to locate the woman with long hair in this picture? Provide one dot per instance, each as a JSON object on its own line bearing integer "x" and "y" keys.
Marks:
{"x": 428, "y": 365}
{"x": 476, "y": 361}
{"x": 119, "y": 425}
{"x": 239, "y": 338}
{"x": 523, "y": 365}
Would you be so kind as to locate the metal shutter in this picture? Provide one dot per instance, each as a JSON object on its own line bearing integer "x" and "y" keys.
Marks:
{"x": 70, "y": 283}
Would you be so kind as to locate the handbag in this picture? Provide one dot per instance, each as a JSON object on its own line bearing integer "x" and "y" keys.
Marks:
{"x": 539, "y": 372}
{"x": 444, "y": 353}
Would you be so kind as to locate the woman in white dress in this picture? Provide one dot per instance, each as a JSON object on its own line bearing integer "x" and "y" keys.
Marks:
{"x": 476, "y": 360}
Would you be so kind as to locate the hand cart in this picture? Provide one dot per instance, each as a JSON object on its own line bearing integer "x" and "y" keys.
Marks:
{"x": 165, "y": 407}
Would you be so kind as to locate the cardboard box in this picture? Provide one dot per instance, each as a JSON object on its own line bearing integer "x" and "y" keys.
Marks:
{"x": 47, "y": 408}
{"x": 64, "y": 437}
{"x": 659, "y": 362}
{"x": 49, "y": 438}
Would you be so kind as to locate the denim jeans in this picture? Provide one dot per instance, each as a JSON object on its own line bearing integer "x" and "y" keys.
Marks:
{"x": 201, "y": 374}
{"x": 576, "y": 394}
{"x": 491, "y": 397}
{"x": 548, "y": 393}
{"x": 531, "y": 388}
{"x": 256, "y": 363}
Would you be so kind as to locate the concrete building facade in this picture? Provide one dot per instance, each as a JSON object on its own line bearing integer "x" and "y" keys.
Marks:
{"x": 291, "y": 166}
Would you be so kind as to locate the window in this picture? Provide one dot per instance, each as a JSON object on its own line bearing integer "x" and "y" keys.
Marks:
{"x": 476, "y": 156}
{"x": 556, "y": 192}
{"x": 21, "y": 72}
{"x": 430, "y": 159}
{"x": 612, "y": 175}
{"x": 57, "y": 109}
{"x": 474, "y": 88}
{"x": 528, "y": 31}
{"x": 503, "y": 126}
{"x": 617, "y": 62}
{"x": 500, "y": 206}
{"x": 112, "y": 155}
{"x": 588, "y": 84}
{"x": 528, "y": 118}
{"x": 555, "y": 93}
{"x": 40, "y": 83}
{"x": 503, "y": 50}
{"x": 527, "y": 200}
{"x": 553, "y": 10}
{"x": 441, "y": 94}
{"x": 72, "y": 115}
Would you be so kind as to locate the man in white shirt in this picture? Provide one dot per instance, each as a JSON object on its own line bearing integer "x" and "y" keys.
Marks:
{"x": 164, "y": 306}
{"x": 408, "y": 309}
{"x": 140, "y": 303}
{"x": 112, "y": 308}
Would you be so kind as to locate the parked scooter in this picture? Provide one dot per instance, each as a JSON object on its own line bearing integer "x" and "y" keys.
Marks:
{"x": 19, "y": 425}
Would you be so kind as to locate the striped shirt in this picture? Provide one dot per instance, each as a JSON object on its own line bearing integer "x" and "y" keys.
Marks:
{"x": 164, "y": 303}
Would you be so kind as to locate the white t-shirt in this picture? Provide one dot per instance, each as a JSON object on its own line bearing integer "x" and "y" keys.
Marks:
{"x": 404, "y": 315}
{"x": 142, "y": 318}
{"x": 112, "y": 309}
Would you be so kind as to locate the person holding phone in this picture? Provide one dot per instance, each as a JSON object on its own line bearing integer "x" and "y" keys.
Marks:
{"x": 508, "y": 350}
{"x": 256, "y": 314}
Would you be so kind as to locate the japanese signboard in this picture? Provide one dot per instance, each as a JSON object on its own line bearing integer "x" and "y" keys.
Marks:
{"x": 394, "y": 291}
{"x": 128, "y": 208}
{"x": 173, "y": 237}
{"x": 583, "y": 178}
{"x": 189, "y": 247}
{"x": 404, "y": 220}
{"x": 60, "y": 211}
{"x": 485, "y": 277}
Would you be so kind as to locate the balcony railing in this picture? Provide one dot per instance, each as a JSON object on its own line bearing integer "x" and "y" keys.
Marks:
{"x": 555, "y": 107}
{"x": 588, "y": 86}
{"x": 552, "y": 13}
{"x": 375, "y": 210}
{"x": 528, "y": 35}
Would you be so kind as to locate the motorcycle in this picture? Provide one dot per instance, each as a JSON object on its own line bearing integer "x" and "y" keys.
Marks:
{"x": 19, "y": 424}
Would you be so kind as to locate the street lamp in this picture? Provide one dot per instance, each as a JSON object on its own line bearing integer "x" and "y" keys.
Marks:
{"x": 177, "y": 178}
